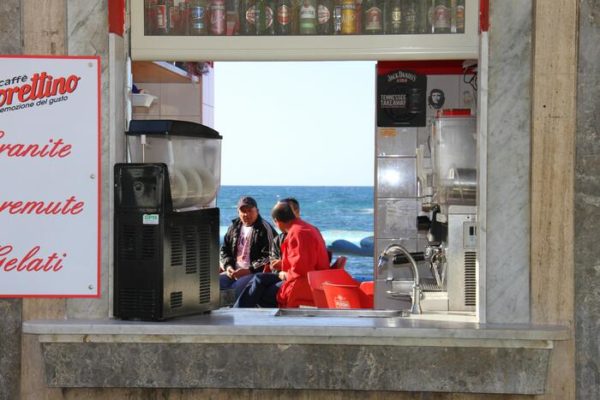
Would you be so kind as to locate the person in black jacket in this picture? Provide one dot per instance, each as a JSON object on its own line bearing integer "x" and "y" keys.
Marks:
{"x": 246, "y": 246}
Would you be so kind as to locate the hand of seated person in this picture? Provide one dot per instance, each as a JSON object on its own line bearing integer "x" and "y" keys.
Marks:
{"x": 275, "y": 265}
{"x": 229, "y": 272}
{"x": 238, "y": 273}
{"x": 282, "y": 275}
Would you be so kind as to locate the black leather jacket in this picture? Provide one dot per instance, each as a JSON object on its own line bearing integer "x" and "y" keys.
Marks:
{"x": 260, "y": 244}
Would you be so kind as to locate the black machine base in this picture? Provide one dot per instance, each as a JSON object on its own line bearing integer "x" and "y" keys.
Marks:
{"x": 166, "y": 262}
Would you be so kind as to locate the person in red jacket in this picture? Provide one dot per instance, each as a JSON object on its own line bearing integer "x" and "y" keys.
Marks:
{"x": 302, "y": 251}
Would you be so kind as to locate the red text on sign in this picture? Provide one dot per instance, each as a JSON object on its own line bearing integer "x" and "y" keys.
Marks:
{"x": 68, "y": 207}
{"x": 42, "y": 85}
{"x": 29, "y": 262}
{"x": 54, "y": 148}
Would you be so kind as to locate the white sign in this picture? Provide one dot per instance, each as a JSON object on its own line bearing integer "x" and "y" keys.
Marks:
{"x": 50, "y": 176}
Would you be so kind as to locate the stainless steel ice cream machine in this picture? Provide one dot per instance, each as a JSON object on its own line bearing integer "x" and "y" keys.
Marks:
{"x": 443, "y": 275}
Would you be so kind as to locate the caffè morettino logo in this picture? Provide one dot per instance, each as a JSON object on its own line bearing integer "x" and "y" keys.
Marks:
{"x": 41, "y": 86}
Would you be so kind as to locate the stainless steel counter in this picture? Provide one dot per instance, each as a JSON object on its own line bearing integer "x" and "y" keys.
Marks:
{"x": 265, "y": 326}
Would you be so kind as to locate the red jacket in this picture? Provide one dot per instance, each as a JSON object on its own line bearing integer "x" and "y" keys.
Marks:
{"x": 303, "y": 250}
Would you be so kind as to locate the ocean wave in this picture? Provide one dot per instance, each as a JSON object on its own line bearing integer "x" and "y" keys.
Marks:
{"x": 353, "y": 237}
{"x": 330, "y": 235}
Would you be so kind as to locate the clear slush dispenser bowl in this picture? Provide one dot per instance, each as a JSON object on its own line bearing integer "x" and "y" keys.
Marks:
{"x": 454, "y": 159}
{"x": 192, "y": 153}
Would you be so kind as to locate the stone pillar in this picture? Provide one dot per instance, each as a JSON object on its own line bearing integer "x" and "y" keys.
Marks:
{"x": 10, "y": 27}
{"x": 87, "y": 35}
{"x": 505, "y": 226}
{"x": 10, "y": 310}
{"x": 552, "y": 177}
{"x": 10, "y": 348}
{"x": 587, "y": 205}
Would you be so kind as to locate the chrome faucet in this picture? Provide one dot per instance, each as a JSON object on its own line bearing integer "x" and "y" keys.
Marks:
{"x": 392, "y": 250}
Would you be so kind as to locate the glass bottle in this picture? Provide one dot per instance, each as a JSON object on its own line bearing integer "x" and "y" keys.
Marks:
{"x": 359, "y": 16}
{"x": 337, "y": 17}
{"x": 325, "y": 17}
{"x": 263, "y": 17}
{"x": 270, "y": 14}
{"x": 247, "y": 17}
{"x": 149, "y": 17}
{"x": 260, "y": 17}
{"x": 295, "y": 17}
{"x": 232, "y": 13}
{"x": 283, "y": 21}
{"x": 441, "y": 16}
{"x": 173, "y": 18}
{"x": 348, "y": 17}
{"x": 184, "y": 18}
{"x": 307, "y": 17}
{"x": 198, "y": 12}
{"x": 217, "y": 17}
{"x": 460, "y": 16}
{"x": 373, "y": 17}
{"x": 424, "y": 11}
{"x": 409, "y": 17}
{"x": 394, "y": 16}
{"x": 161, "y": 12}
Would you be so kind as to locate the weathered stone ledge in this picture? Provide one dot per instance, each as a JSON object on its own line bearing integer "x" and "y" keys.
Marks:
{"x": 255, "y": 349}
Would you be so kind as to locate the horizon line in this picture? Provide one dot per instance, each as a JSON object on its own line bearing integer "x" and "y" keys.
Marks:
{"x": 271, "y": 185}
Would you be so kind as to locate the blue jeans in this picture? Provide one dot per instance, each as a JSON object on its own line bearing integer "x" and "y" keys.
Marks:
{"x": 226, "y": 282}
{"x": 261, "y": 291}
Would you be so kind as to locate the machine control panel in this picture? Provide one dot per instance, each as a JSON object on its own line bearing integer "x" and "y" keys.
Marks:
{"x": 469, "y": 235}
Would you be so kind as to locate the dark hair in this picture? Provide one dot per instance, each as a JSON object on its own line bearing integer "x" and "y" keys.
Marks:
{"x": 439, "y": 104}
{"x": 291, "y": 200}
{"x": 283, "y": 212}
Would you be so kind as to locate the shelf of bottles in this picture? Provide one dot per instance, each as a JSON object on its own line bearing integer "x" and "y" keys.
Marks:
{"x": 303, "y": 29}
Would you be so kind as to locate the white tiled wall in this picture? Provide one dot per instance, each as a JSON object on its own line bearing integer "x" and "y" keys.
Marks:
{"x": 396, "y": 142}
{"x": 179, "y": 101}
{"x": 396, "y": 177}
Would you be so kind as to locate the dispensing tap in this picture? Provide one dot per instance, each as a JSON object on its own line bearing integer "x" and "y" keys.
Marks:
{"x": 437, "y": 263}
{"x": 392, "y": 250}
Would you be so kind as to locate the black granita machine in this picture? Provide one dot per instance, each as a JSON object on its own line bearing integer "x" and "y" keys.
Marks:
{"x": 166, "y": 231}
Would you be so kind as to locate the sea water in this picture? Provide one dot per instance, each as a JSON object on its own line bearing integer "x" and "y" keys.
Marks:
{"x": 343, "y": 214}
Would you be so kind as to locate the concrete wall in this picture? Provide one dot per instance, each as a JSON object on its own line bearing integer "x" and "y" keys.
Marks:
{"x": 587, "y": 205}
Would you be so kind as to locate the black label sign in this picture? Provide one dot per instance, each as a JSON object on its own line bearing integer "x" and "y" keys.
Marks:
{"x": 401, "y": 99}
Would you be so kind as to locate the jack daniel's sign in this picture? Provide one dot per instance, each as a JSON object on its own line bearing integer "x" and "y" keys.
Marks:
{"x": 401, "y": 99}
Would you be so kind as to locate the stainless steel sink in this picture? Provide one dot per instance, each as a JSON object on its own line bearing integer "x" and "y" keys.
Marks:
{"x": 340, "y": 312}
